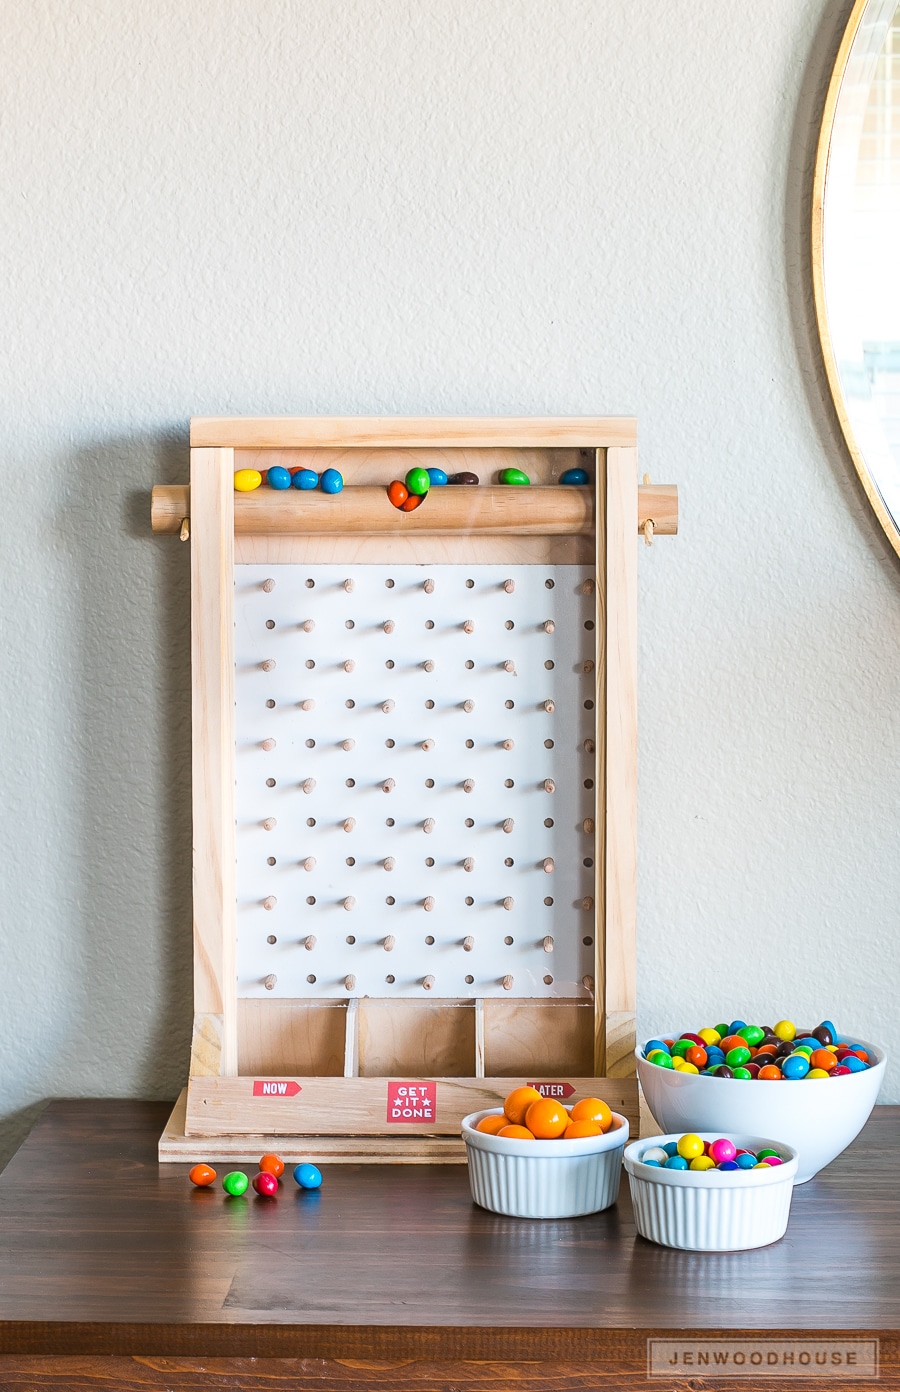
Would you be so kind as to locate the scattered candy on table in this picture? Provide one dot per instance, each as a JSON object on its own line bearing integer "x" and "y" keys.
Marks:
{"x": 308, "y": 1176}
{"x": 514, "y": 476}
{"x": 576, "y": 476}
{"x": 235, "y": 1183}
{"x": 782, "y": 1053}
{"x": 690, "y": 1152}
{"x": 202, "y": 1175}
{"x": 265, "y": 1184}
{"x": 273, "y": 1164}
{"x": 527, "y": 1116}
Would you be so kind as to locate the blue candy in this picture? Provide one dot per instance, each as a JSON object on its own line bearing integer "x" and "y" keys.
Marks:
{"x": 676, "y": 1162}
{"x": 437, "y": 476}
{"x": 307, "y": 1176}
{"x": 730, "y": 1165}
{"x": 794, "y": 1066}
{"x": 655, "y": 1044}
{"x": 278, "y": 478}
{"x": 737, "y": 1025}
{"x": 577, "y": 476}
{"x": 855, "y": 1064}
{"x": 657, "y": 1164}
{"x": 306, "y": 478}
{"x": 810, "y": 1040}
{"x": 745, "y": 1162}
{"x": 330, "y": 482}
{"x": 670, "y": 1147}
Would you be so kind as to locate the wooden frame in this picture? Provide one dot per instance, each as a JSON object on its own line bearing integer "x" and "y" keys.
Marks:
{"x": 219, "y": 1114}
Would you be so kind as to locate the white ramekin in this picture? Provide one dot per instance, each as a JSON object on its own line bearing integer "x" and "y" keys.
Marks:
{"x": 544, "y": 1179}
{"x": 711, "y": 1210}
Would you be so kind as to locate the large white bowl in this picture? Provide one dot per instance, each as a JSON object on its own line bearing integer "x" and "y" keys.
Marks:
{"x": 544, "y": 1179}
{"x": 711, "y": 1210}
{"x": 819, "y": 1118}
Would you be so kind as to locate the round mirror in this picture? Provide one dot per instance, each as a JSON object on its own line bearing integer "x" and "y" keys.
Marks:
{"x": 856, "y": 249}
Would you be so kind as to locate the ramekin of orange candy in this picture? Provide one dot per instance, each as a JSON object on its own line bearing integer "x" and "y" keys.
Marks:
{"x": 536, "y": 1158}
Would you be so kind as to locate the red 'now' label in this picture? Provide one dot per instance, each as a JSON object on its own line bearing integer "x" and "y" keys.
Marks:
{"x": 553, "y": 1089}
{"x": 275, "y": 1088}
{"x": 411, "y": 1102}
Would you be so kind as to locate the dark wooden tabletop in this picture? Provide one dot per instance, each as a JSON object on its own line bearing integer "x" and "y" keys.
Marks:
{"x": 103, "y": 1250}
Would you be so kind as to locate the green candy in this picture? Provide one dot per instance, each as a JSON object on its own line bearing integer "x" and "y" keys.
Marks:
{"x": 417, "y": 481}
{"x": 681, "y": 1046}
{"x": 722, "y": 1030}
{"x": 514, "y": 476}
{"x": 235, "y": 1183}
{"x": 753, "y": 1035}
{"x": 736, "y": 1057}
{"x": 743, "y": 1073}
{"x": 764, "y": 1154}
{"x": 661, "y": 1059}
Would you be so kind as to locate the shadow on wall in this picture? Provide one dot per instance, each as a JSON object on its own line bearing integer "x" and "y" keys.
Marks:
{"x": 120, "y": 1014}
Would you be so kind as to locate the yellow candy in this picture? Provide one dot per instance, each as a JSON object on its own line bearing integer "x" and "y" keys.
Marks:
{"x": 689, "y": 1068}
{"x": 710, "y": 1036}
{"x": 245, "y": 480}
{"x": 702, "y": 1162}
{"x": 690, "y": 1146}
{"x": 832, "y": 1048}
{"x": 678, "y": 1063}
{"x": 817, "y": 1073}
{"x": 785, "y": 1030}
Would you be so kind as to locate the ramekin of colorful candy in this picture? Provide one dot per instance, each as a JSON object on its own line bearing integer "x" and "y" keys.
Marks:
{"x": 556, "y": 1178}
{"x": 711, "y": 1192}
{"x": 819, "y": 1112}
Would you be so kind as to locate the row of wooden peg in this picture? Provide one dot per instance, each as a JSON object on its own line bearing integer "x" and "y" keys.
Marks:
{"x": 507, "y": 665}
{"x": 349, "y": 823}
{"x": 349, "y": 585}
{"x": 390, "y": 942}
{"x": 429, "y": 903}
{"x": 426, "y": 982}
{"x": 467, "y": 626}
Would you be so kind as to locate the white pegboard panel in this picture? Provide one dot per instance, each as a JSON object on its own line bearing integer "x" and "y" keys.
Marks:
{"x": 379, "y": 659}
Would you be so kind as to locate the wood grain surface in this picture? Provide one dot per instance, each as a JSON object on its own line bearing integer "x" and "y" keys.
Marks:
{"x": 115, "y": 1272}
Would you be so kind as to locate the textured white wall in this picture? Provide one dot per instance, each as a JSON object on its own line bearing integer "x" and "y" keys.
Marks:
{"x": 361, "y": 206}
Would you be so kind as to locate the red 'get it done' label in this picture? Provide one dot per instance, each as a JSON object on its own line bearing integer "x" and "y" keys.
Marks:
{"x": 275, "y": 1087}
{"x": 412, "y": 1103}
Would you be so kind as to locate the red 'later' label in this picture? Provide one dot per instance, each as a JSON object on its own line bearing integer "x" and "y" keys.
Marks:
{"x": 412, "y": 1103}
{"x": 277, "y": 1087}
{"x": 553, "y": 1089}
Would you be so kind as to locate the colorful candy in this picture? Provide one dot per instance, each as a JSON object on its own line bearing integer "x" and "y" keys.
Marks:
{"x": 751, "y": 1052}
{"x": 418, "y": 481}
{"x": 397, "y": 493}
{"x": 465, "y": 478}
{"x": 308, "y": 1176}
{"x": 265, "y": 1184}
{"x": 576, "y": 476}
{"x": 235, "y": 1183}
{"x": 514, "y": 476}
{"x": 689, "y": 1152}
{"x": 273, "y": 1164}
{"x": 330, "y": 482}
{"x": 437, "y": 477}
{"x": 245, "y": 480}
{"x": 278, "y": 478}
{"x": 202, "y": 1175}
{"x": 305, "y": 479}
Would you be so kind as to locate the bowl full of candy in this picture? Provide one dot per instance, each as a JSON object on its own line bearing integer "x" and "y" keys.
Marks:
{"x": 535, "y": 1158}
{"x": 711, "y": 1192}
{"x": 698, "y": 1079}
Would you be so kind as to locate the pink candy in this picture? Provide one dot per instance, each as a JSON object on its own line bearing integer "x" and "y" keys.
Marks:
{"x": 722, "y": 1149}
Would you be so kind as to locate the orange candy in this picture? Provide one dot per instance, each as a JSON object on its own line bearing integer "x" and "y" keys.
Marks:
{"x": 546, "y": 1119}
{"x": 576, "y": 1130}
{"x": 397, "y": 493}
{"x": 593, "y": 1109}
{"x": 733, "y": 1041}
{"x": 770, "y": 1073}
{"x": 516, "y": 1133}
{"x": 413, "y": 501}
{"x": 518, "y": 1102}
{"x": 823, "y": 1058}
{"x": 201, "y": 1175}
{"x": 272, "y": 1164}
{"x": 492, "y": 1124}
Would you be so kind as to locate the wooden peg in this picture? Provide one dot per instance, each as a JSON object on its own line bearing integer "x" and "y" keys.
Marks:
{"x": 469, "y": 863}
{"x": 310, "y": 941}
{"x": 588, "y": 983}
{"x": 307, "y": 705}
{"x": 269, "y": 902}
{"x": 509, "y": 666}
{"x": 428, "y": 745}
{"x": 308, "y": 785}
{"x": 268, "y": 586}
{"x": 587, "y": 587}
{"x": 348, "y": 744}
{"x": 509, "y": 744}
{"x": 267, "y": 744}
{"x": 349, "y": 665}
{"x": 388, "y": 626}
{"x": 587, "y": 903}
{"x": 468, "y": 785}
{"x": 428, "y": 587}
{"x": 468, "y": 943}
{"x": 350, "y": 982}
{"x": 389, "y": 943}
{"x": 184, "y": 531}
{"x": 388, "y": 785}
{"x": 547, "y": 943}
{"x": 349, "y": 586}
{"x": 587, "y": 665}
{"x": 349, "y": 823}
{"x": 506, "y": 982}
{"x": 309, "y": 863}
{"x": 468, "y": 706}
{"x": 509, "y": 586}
{"x": 268, "y": 665}
{"x": 388, "y": 706}
{"x": 270, "y": 981}
{"x": 508, "y": 903}
{"x": 589, "y": 746}
{"x": 308, "y": 625}
{"x": 647, "y": 529}
{"x": 388, "y": 863}
{"x": 428, "y": 666}
{"x": 349, "y": 903}
{"x": 587, "y": 826}
{"x": 548, "y": 706}
{"x": 549, "y": 786}
{"x": 428, "y": 904}
{"x": 428, "y": 825}
{"x": 427, "y": 983}
{"x": 469, "y": 626}
{"x": 507, "y": 824}
{"x": 548, "y": 626}
{"x": 269, "y": 824}
{"x": 548, "y": 865}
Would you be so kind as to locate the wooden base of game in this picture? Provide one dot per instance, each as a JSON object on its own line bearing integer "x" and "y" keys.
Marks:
{"x": 178, "y": 1147}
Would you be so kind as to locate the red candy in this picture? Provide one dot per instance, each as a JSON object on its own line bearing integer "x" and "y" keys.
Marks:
{"x": 265, "y": 1184}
